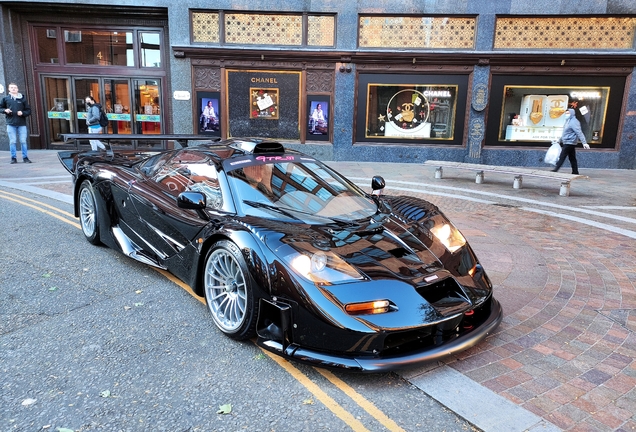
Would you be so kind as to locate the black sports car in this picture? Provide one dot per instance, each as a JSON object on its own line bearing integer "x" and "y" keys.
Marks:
{"x": 286, "y": 249}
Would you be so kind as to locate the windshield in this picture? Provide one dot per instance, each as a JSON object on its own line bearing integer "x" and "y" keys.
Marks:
{"x": 301, "y": 188}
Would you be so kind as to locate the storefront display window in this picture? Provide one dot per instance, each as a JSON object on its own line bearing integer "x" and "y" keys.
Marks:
{"x": 209, "y": 113}
{"x": 263, "y": 103}
{"x": 410, "y": 109}
{"x": 537, "y": 113}
{"x": 318, "y": 117}
{"x": 529, "y": 110}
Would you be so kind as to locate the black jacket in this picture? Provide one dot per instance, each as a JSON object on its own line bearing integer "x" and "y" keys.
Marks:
{"x": 20, "y": 103}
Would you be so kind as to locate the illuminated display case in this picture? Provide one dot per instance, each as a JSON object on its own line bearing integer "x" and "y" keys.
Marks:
{"x": 411, "y": 108}
{"x": 531, "y": 112}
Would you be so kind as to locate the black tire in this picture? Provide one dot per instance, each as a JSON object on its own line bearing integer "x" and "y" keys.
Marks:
{"x": 88, "y": 212}
{"x": 229, "y": 291}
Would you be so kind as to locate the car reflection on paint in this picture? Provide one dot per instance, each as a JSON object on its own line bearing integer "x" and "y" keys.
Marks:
{"x": 286, "y": 249}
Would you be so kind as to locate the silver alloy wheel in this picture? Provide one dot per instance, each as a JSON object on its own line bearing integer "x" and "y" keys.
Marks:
{"x": 225, "y": 290}
{"x": 87, "y": 211}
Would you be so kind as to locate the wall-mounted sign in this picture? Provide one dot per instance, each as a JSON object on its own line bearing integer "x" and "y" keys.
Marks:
{"x": 181, "y": 95}
{"x": 147, "y": 118}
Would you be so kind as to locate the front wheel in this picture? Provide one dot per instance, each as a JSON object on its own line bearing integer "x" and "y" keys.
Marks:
{"x": 229, "y": 291}
{"x": 88, "y": 213}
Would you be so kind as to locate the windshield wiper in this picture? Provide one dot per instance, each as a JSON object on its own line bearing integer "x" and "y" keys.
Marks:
{"x": 257, "y": 204}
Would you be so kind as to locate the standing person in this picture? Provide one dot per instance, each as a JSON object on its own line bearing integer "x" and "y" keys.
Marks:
{"x": 93, "y": 113}
{"x": 571, "y": 134}
{"x": 16, "y": 107}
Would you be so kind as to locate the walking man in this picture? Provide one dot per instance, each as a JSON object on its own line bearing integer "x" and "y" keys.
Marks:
{"x": 16, "y": 108}
{"x": 571, "y": 134}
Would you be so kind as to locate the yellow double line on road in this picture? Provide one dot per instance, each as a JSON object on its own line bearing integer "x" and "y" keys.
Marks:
{"x": 320, "y": 394}
{"x": 39, "y": 207}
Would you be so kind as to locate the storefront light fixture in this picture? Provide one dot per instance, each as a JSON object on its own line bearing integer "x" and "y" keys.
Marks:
{"x": 345, "y": 64}
{"x": 345, "y": 68}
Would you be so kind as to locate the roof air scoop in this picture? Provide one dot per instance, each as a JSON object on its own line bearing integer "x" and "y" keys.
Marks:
{"x": 260, "y": 147}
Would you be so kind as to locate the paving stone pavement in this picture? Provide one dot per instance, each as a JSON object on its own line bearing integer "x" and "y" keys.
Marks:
{"x": 564, "y": 269}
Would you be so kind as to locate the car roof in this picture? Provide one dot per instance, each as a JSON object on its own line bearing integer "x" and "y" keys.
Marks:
{"x": 237, "y": 147}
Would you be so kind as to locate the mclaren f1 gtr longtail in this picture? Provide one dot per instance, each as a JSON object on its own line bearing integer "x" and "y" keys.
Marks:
{"x": 289, "y": 251}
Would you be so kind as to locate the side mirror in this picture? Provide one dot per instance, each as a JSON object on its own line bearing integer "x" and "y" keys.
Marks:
{"x": 377, "y": 184}
{"x": 191, "y": 200}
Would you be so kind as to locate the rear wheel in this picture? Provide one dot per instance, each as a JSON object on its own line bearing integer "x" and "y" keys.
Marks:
{"x": 88, "y": 213}
{"x": 229, "y": 291}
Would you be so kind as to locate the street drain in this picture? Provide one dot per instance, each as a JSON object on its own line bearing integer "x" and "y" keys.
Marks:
{"x": 506, "y": 205}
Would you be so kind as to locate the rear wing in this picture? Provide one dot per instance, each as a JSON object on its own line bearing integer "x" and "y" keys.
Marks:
{"x": 181, "y": 139}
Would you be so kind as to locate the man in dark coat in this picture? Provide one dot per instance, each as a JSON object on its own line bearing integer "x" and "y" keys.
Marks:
{"x": 16, "y": 108}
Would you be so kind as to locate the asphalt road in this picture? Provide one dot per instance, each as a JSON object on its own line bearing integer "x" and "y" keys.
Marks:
{"x": 562, "y": 359}
{"x": 91, "y": 340}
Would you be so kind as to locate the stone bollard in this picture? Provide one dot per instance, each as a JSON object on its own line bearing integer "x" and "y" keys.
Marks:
{"x": 438, "y": 173}
{"x": 479, "y": 178}
{"x": 517, "y": 182}
{"x": 565, "y": 189}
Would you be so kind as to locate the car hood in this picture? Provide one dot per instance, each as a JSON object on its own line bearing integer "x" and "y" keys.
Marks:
{"x": 382, "y": 249}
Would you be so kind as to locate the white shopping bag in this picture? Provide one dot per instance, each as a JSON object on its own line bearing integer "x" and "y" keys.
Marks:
{"x": 553, "y": 153}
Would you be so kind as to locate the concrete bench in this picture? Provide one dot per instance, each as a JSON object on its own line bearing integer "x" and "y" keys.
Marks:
{"x": 518, "y": 173}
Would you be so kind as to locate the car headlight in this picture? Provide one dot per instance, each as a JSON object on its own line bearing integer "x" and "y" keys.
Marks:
{"x": 324, "y": 268}
{"x": 446, "y": 233}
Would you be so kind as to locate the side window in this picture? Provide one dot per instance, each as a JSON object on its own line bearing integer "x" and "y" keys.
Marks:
{"x": 174, "y": 178}
{"x": 204, "y": 179}
{"x": 151, "y": 165}
{"x": 191, "y": 171}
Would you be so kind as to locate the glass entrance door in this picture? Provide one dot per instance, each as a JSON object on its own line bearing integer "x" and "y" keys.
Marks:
{"x": 83, "y": 87}
{"x": 132, "y": 106}
{"x": 59, "y": 108}
{"x": 118, "y": 105}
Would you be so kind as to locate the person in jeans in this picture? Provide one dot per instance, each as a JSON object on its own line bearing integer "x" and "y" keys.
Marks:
{"x": 571, "y": 134}
{"x": 93, "y": 112}
{"x": 16, "y": 108}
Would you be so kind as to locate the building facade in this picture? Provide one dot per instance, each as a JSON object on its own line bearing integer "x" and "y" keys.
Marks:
{"x": 474, "y": 80}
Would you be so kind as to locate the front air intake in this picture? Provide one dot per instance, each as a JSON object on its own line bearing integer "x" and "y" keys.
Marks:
{"x": 446, "y": 297}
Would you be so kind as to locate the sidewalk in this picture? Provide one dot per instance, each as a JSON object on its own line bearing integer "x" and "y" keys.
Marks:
{"x": 564, "y": 269}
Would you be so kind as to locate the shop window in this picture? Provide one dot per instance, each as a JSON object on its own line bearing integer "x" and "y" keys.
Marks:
{"x": 263, "y": 103}
{"x": 208, "y": 114}
{"x": 531, "y": 109}
{"x": 47, "y": 45}
{"x": 537, "y": 113}
{"x": 99, "y": 47}
{"x": 150, "y": 49}
{"x": 424, "y": 109}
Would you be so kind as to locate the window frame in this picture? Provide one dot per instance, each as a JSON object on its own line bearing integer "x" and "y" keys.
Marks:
{"x": 62, "y": 61}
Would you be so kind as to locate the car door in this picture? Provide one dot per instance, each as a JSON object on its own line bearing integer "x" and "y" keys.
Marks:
{"x": 168, "y": 228}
